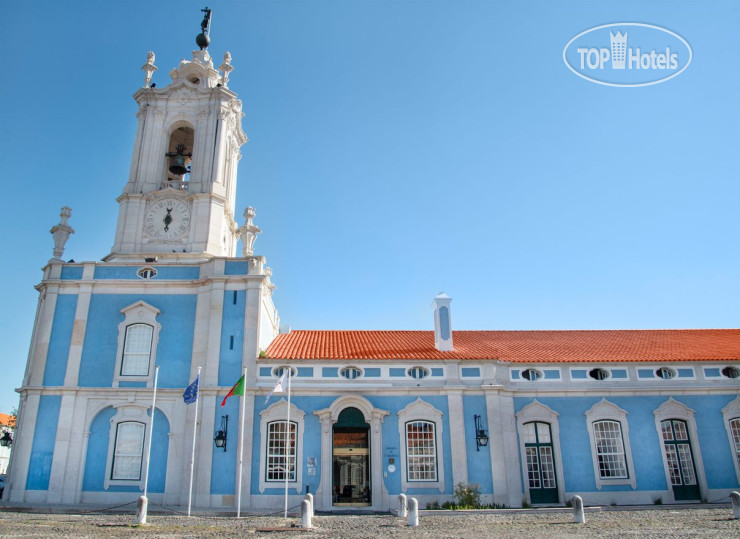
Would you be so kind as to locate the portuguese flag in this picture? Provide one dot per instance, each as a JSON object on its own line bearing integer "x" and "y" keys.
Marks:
{"x": 238, "y": 389}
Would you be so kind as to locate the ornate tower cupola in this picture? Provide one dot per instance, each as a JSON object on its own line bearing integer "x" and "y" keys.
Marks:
{"x": 181, "y": 191}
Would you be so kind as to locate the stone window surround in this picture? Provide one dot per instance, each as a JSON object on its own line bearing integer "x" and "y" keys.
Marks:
{"x": 420, "y": 410}
{"x": 277, "y": 412}
{"x": 672, "y": 409}
{"x": 536, "y": 411}
{"x": 730, "y": 412}
{"x": 137, "y": 313}
{"x": 601, "y": 411}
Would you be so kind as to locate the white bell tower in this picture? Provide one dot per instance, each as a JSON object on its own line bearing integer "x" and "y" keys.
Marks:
{"x": 181, "y": 190}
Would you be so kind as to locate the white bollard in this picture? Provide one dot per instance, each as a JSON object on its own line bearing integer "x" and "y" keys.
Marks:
{"x": 578, "y": 515}
{"x": 402, "y": 512}
{"x": 735, "y": 497}
{"x": 309, "y": 498}
{"x": 305, "y": 514}
{"x": 141, "y": 508}
{"x": 413, "y": 512}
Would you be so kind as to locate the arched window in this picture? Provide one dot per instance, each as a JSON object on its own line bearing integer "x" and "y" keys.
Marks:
{"x": 128, "y": 451}
{"x": 608, "y": 431}
{"x": 179, "y": 157}
{"x": 422, "y": 458}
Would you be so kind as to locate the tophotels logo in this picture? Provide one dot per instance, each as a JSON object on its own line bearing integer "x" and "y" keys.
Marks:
{"x": 604, "y": 55}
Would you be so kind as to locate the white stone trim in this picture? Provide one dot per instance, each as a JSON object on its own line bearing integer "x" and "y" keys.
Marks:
{"x": 672, "y": 409}
{"x": 605, "y": 410}
{"x": 278, "y": 412}
{"x": 732, "y": 411}
{"x": 536, "y": 411}
{"x": 137, "y": 313}
{"x": 420, "y": 410}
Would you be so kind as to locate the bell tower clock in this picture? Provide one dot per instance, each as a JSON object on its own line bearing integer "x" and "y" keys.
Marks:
{"x": 181, "y": 191}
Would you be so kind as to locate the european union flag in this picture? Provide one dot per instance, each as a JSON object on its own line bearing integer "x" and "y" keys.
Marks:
{"x": 191, "y": 393}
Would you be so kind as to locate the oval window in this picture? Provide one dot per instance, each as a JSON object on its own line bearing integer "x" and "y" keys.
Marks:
{"x": 277, "y": 372}
{"x": 417, "y": 372}
{"x": 350, "y": 373}
{"x": 665, "y": 373}
{"x": 731, "y": 372}
{"x": 146, "y": 273}
{"x": 598, "y": 374}
{"x": 531, "y": 375}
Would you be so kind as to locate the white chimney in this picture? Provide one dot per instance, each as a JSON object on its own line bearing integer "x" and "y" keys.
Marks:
{"x": 442, "y": 323}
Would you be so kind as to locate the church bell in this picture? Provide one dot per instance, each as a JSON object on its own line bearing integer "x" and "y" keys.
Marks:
{"x": 178, "y": 165}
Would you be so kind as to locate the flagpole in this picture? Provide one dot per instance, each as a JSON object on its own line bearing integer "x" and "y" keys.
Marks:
{"x": 151, "y": 430}
{"x": 241, "y": 449}
{"x": 287, "y": 447}
{"x": 192, "y": 453}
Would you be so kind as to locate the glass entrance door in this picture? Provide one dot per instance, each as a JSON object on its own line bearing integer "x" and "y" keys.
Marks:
{"x": 543, "y": 486}
{"x": 351, "y": 477}
{"x": 680, "y": 459}
{"x": 351, "y": 460}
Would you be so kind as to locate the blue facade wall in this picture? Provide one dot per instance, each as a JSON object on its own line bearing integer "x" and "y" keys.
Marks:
{"x": 60, "y": 340}
{"x": 44, "y": 436}
{"x": 163, "y": 272}
{"x": 97, "y": 454}
{"x": 223, "y": 463}
{"x": 479, "y": 461}
{"x": 645, "y": 441}
{"x": 175, "y": 347}
{"x": 232, "y": 337}
{"x": 234, "y": 267}
{"x": 71, "y": 273}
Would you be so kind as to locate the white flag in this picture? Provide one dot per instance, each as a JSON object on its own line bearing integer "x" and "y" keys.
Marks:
{"x": 279, "y": 386}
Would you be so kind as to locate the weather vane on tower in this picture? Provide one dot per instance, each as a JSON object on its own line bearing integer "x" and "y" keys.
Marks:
{"x": 202, "y": 39}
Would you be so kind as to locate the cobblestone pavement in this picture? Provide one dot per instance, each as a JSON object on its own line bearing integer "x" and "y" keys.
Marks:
{"x": 668, "y": 522}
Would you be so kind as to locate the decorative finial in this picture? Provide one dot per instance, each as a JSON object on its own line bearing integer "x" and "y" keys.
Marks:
{"x": 248, "y": 232}
{"x": 226, "y": 68}
{"x": 61, "y": 232}
{"x": 148, "y": 68}
{"x": 202, "y": 39}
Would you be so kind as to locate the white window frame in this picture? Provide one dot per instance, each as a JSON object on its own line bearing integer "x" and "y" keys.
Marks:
{"x": 672, "y": 409}
{"x": 278, "y": 412}
{"x": 421, "y": 411}
{"x": 607, "y": 411}
{"x": 137, "y": 313}
{"x": 126, "y": 414}
{"x": 730, "y": 412}
{"x": 537, "y": 412}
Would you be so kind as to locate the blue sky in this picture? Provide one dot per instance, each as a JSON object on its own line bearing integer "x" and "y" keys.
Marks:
{"x": 398, "y": 149}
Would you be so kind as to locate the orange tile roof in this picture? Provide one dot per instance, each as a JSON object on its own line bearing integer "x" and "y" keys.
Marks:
{"x": 513, "y": 346}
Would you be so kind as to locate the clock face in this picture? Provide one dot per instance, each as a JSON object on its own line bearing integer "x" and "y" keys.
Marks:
{"x": 167, "y": 219}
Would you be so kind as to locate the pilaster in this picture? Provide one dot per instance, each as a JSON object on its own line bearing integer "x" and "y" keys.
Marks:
{"x": 458, "y": 443}
{"x": 505, "y": 465}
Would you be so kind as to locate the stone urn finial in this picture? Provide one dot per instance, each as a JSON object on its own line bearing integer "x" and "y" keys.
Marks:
{"x": 61, "y": 232}
{"x": 248, "y": 232}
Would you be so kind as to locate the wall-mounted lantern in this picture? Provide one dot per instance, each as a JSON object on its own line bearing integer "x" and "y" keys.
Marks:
{"x": 220, "y": 438}
{"x": 481, "y": 438}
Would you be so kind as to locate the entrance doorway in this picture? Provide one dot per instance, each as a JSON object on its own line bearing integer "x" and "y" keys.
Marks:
{"x": 543, "y": 486}
{"x": 680, "y": 459}
{"x": 351, "y": 460}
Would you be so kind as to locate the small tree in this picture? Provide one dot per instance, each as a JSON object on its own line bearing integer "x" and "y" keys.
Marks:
{"x": 467, "y": 495}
